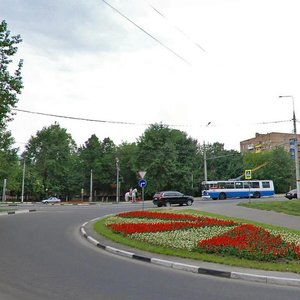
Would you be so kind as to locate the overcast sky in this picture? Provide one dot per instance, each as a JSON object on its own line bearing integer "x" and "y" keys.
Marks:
{"x": 189, "y": 63}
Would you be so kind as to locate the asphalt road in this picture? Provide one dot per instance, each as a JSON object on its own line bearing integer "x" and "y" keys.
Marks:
{"x": 44, "y": 257}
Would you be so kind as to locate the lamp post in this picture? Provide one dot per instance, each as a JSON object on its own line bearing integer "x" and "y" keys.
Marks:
{"x": 296, "y": 145}
{"x": 118, "y": 180}
{"x": 23, "y": 182}
{"x": 204, "y": 158}
{"x": 91, "y": 186}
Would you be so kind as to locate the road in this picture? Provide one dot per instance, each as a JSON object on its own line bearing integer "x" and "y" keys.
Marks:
{"x": 44, "y": 257}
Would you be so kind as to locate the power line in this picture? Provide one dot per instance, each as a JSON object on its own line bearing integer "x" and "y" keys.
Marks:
{"x": 93, "y": 120}
{"x": 177, "y": 28}
{"x": 127, "y": 123}
{"x": 274, "y": 122}
{"x": 146, "y": 32}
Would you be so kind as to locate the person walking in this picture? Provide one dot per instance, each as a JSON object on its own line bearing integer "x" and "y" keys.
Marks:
{"x": 133, "y": 195}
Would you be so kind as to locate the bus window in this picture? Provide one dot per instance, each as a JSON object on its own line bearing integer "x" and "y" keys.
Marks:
{"x": 238, "y": 185}
{"x": 255, "y": 184}
{"x": 266, "y": 184}
{"x": 229, "y": 185}
{"x": 221, "y": 185}
{"x": 247, "y": 185}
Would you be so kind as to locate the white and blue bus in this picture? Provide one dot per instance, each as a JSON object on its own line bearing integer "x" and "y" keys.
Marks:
{"x": 237, "y": 189}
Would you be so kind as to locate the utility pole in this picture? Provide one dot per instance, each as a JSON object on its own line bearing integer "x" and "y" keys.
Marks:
{"x": 205, "y": 162}
{"x": 295, "y": 147}
{"x": 204, "y": 157}
{"x": 4, "y": 190}
{"x": 91, "y": 187}
{"x": 23, "y": 182}
{"x": 118, "y": 181}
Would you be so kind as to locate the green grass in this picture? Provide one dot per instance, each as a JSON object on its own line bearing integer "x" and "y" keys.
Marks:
{"x": 289, "y": 207}
{"x": 283, "y": 266}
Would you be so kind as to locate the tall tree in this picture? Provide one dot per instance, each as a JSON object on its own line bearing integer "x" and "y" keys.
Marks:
{"x": 52, "y": 155}
{"x": 10, "y": 84}
{"x": 168, "y": 156}
{"x": 222, "y": 164}
{"x": 276, "y": 165}
{"x": 126, "y": 153}
{"x": 100, "y": 157}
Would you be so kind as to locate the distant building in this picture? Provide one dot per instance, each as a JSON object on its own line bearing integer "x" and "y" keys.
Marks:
{"x": 269, "y": 141}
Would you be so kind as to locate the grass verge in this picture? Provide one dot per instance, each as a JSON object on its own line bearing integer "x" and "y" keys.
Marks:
{"x": 283, "y": 266}
{"x": 289, "y": 207}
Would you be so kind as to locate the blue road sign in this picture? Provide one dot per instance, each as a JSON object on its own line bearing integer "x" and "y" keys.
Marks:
{"x": 142, "y": 183}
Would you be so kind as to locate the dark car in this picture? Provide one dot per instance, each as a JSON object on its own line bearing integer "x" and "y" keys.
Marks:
{"x": 291, "y": 194}
{"x": 167, "y": 198}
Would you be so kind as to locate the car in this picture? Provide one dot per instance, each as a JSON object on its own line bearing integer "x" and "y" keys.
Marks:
{"x": 167, "y": 198}
{"x": 291, "y": 194}
{"x": 51, "y": 200}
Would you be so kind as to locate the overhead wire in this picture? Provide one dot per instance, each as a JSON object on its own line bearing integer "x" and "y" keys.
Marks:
{"x": 93, "y": 120}
{"x": 147, "y": 33}
{"x": 126, "y": 122}
{"x": 176, "y": 27}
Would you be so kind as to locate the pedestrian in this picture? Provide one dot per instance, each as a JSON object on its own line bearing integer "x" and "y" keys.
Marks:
{"x": 133, "y": 194}
{"x": 127, "y": 196}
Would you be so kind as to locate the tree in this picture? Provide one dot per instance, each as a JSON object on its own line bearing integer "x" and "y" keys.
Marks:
{"x": 222, "y": 164}
{"x": 10, "y": 85}
{"x": 126, "y": 153}
{"x": 51, "y": 160}
{"x": 8, "y": 163}
{"x": 168, "y": 156}
{"x": 279, "y": 167}
{"x": 101, "y": 158}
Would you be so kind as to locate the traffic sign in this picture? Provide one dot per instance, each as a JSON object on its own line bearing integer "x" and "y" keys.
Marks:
{"x": 248, "y": 174}
{"x": 142, "y": 183}
{"x": 142, "y": 174}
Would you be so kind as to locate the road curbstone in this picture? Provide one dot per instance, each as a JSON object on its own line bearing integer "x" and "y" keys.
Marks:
{"x": 192, "y": 268}
{"x": 23, "y": 211}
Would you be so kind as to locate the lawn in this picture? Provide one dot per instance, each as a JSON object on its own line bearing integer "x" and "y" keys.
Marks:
{"x": 203, "y": 236}
{"x": 290, "y": 207}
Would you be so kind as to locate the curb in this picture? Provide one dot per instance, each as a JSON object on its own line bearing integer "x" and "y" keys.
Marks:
{"x": 17, "y": 212}
{"x": 192, "y": 268}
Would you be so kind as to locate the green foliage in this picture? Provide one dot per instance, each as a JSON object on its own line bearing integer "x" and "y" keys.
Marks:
{"x": 126, "y": 153}
{"x": 100, "y": 157}
{"x": 168, "y": 156}
{"x": 10, "y": 85}
{"x": 221, "y": 164}
{"x": 50, "y": 160}
{"x": 279, "y": 167}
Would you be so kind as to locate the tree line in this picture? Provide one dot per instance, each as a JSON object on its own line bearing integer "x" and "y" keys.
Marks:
{"x": 52, "y": 163}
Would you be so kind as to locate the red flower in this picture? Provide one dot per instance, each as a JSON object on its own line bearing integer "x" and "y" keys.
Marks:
{"x": 251, "y": 242}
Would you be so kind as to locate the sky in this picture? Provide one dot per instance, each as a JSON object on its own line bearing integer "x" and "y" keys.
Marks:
{"x": 127, "y": 64}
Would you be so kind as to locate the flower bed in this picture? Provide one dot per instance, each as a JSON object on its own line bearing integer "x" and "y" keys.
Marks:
{"x": 205, "y": 234}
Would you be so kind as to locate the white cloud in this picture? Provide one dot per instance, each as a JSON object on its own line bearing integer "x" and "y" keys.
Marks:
{"x": 82, "y": 59}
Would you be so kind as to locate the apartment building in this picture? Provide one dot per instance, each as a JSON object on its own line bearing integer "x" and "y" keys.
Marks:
{"x": 269, "y": 141}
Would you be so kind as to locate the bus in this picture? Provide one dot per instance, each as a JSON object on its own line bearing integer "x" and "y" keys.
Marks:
{"x": 224, "y": 189}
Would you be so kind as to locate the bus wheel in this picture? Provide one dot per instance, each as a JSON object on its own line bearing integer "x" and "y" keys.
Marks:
{"x": 256, "y": 195}
{"x": 222, "y": 196}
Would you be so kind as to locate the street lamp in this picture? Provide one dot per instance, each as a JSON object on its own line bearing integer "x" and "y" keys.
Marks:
{"x": 204, "y": 158}
{"x": 23, "y": 182}
{"x": 91, "y": 186}
{"x": 118, "y": 180}
{"x": 296, "y": 146}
